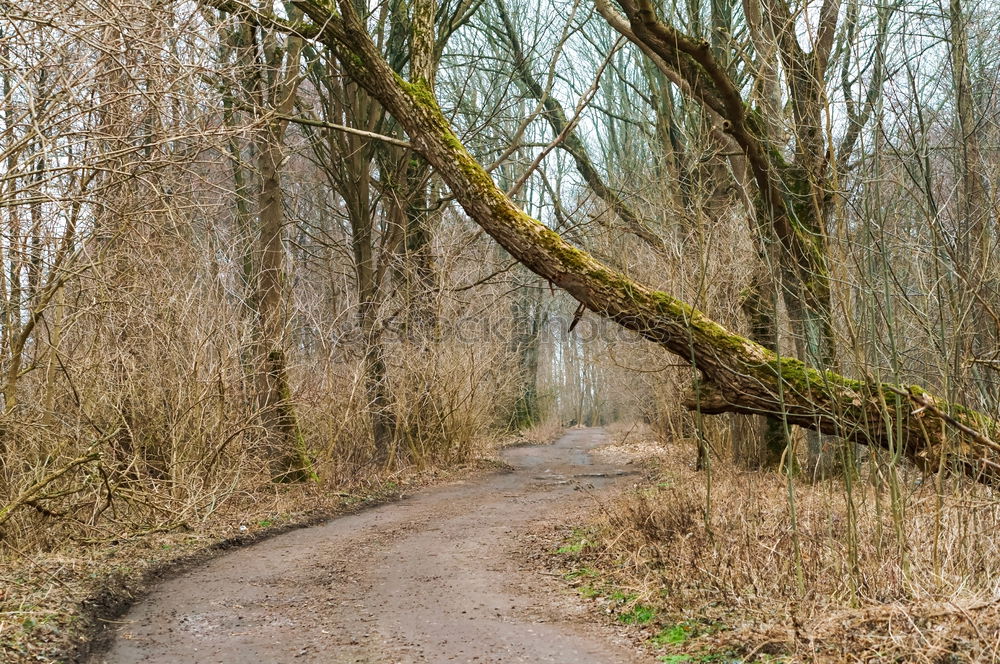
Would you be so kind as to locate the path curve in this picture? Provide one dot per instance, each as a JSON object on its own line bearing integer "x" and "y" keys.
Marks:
{"x": 432, "y": 578}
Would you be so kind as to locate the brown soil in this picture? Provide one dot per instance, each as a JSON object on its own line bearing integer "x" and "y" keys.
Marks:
{"x": 433, "y": 578}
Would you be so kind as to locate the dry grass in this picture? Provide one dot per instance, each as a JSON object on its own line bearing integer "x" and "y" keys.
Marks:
{"x": 858, "y": 579}
{"x": 542, "y": 433}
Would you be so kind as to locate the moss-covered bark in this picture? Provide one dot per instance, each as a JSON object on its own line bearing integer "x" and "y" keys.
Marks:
{"x": 746, "y": 377}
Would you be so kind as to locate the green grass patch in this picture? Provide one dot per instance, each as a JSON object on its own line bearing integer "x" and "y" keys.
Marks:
{"x": 640, "y": 614}
{"x": 575, "y": 547}
{"x": 671, "y": 635}
{"x": 576, "y": 543}
{"x": 580, "y": 572}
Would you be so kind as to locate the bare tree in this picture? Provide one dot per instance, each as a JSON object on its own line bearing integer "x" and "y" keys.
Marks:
{"x": 739, "y": 375}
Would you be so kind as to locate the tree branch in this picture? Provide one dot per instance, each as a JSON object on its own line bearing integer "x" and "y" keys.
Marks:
{"x": 750, "y": 378}
{"x": 310, "y": 122}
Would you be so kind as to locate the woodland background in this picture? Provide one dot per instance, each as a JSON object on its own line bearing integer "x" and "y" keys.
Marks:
{"x": 224, "y": 266}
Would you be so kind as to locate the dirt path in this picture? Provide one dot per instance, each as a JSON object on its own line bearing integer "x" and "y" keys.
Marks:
{"x": 433, "y": 578}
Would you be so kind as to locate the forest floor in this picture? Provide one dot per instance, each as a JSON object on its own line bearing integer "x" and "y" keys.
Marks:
{"x": 444, "y": 575}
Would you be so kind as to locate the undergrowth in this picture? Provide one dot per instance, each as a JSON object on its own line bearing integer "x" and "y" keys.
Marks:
{"x": 722, "y": 576}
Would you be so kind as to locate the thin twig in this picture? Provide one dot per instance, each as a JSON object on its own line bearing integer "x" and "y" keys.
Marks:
{"x": 347, "y": 130}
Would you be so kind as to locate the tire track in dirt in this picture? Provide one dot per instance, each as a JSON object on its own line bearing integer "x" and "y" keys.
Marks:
{"x": 432, "y": 578}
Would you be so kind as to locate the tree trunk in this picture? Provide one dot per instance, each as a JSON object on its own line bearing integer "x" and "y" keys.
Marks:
{"x": 527, "y": 318}
{"x": 289, "y": 457}
{"x": 288, "y": 454}
{"x": 974, "y": 210}
{"x": 738, "y": 374}
{"x": 347, "y": 161}
{"x": 760, "y": 308}
{"x": 420, "y": 270}
{"x": 380, "y": 408}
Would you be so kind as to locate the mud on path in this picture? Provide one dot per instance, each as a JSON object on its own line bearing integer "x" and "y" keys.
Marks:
{"x": 433, "y": 578}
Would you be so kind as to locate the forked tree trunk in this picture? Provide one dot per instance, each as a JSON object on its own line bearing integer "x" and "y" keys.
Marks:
{"x": 347, "y": 160}
{"x": 792, "y": 196}
{"x": 738, "y": 374}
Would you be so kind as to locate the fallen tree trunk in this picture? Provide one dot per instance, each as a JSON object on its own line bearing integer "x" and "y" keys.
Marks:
{"x": 738, "y": 375}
